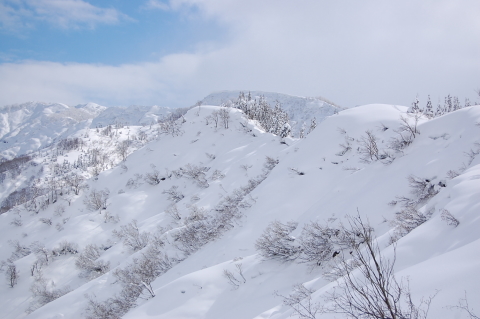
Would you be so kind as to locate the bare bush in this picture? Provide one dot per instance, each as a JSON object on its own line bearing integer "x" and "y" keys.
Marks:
{"x": 196, "y": 173}
{"x": 369, "y": 148}
{"x": 131, "y": 236}
{"x": 43, "y": 254}
{"x": 407, "y": 220}
{"x": 422, "y": 188}
{"x": 217, "y": 175}
{"x": 317, "y": 243}
{"x": 173, "y": 212}
{"x": 44, "y": 293}
{"x": 270, "y": 163}
{"x": 300, "y": 301}
{"x": 59, "y": 210}
{"x": 88, "y": 261}
{"x": 47, "y": 221}
{"x": 16, "y": 222}
{"x": 276, "y": 242}
{"x": 64, "y": 248}
{"x": 174, "y": 194}
{"x": 449, "y": 218}
{"x": 463, "y": 304}
{"x": 153, "y": 177}
{"x": 19, "y": 250}
{"x": 232, "y": 279}
{"x": 97, "y": 199}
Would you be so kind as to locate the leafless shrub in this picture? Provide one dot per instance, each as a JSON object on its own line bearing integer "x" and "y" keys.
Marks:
{"x": 217, "y": 175}
{"x": 463, "y": 305}
{"x": 196, "y": 173}
{"x": 369, "y": 148}
{"x": 173, "y": 212}
{"x": 64, "y": 248}
{"x": 276, "y": 242}
{"x": 232, "y": 280}
{"x": 210, "y": 156}
{"x": 346, "y": 146}
{"x": 135, "y": 181}
{"x": 88, "y": 261}
{"x": 131, "y": 236}
{"x": 174, "y": 194}
{"x": 153, "y": 177}
{"x": 43, "y": 254}
{"x": 407, "y": 220}
{"x": 449, "y": 218}
{"x": 97, "y": 200}
{"x": 196, "y": 234}
{"x": 19, "y": 250}
{"x": 300, "y": 301}
{"x": 44, "y": 293}
{"x": 270, "y": 163}
{"x": 47, "y": 221}
{"x": 196, "y": 214}
{"x": 317, "y": 242}
{"x": 422, "y": 188}
{"x": 451, "y": 174}
{"x": 59, "y": 210}
{"x": 16, "y": 222}
{"x": 110, "y": 218}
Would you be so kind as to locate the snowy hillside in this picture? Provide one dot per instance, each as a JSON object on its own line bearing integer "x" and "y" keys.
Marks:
{"x": 28, "y": 127}
{"x": 301, "y": 110}
{"x": 177, "y": 219}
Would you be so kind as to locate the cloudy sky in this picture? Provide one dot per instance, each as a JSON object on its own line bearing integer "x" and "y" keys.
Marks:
{"x": 173, "y": 53}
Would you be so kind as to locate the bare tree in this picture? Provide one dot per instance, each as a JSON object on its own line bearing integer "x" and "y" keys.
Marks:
{"x": 369, "y": 147}
{"x": 12, "y": 274}
{"x": 224, "y": 114}
{"x": 122, "y": 149}
{"x": 371, "y": 289}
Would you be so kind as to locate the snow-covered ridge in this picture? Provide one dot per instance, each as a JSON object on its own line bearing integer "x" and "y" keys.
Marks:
{"x": 185, "y": 173}
{"x": 301, "y": 110}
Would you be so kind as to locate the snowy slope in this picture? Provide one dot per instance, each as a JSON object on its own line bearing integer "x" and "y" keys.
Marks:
{"x": 435, "y": 256}
{"x": 28, "y": 127}
{"x": 301, "y": 110}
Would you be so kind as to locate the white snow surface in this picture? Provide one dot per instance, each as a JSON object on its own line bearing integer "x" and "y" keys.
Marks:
{"x": 435, "y": 256}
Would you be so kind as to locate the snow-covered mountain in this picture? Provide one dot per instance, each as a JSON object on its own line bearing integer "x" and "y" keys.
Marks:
{"x": 176, "y": 230}
{"x": 25, "y": 128}
{"x": 301, "y": 110}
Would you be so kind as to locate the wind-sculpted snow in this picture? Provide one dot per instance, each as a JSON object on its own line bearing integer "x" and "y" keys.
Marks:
{"x": 181, "y": 219}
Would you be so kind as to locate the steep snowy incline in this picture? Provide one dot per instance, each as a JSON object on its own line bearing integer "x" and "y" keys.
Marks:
{"x": 209, "y": 191}
{"x": 330, "y": 187}
{"x": 301, "y": 110}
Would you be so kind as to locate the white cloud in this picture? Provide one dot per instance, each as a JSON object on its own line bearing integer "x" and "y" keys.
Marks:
{"x": 351, "y": 52}
{"x": 18, "y": 14}
{"x": 155, "y": 4}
